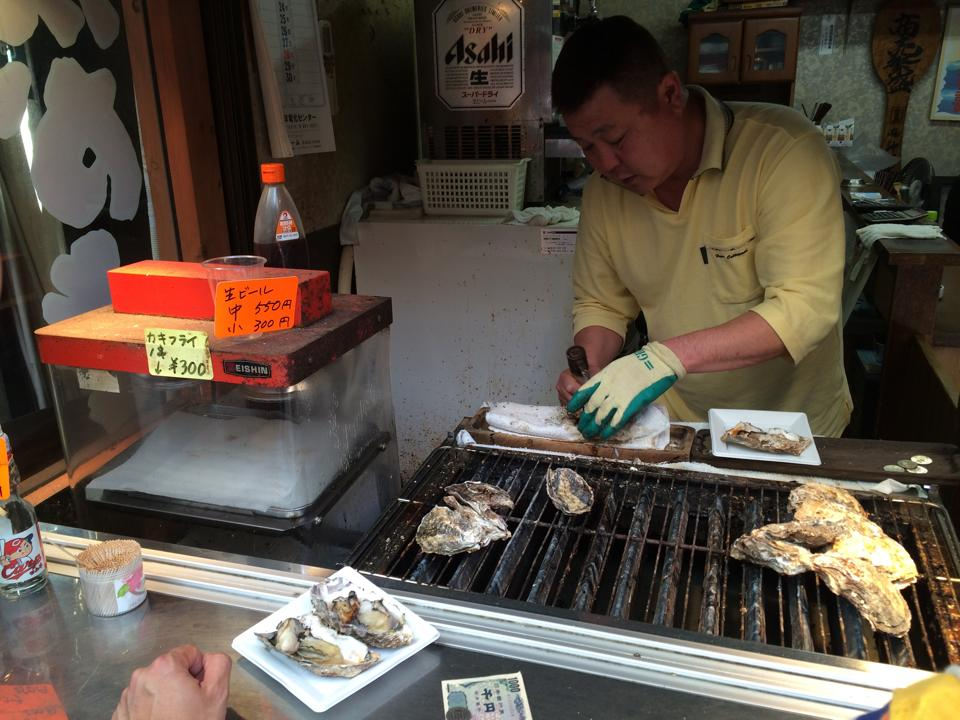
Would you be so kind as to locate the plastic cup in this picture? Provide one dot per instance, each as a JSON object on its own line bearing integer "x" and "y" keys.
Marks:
{"x": 232, "y": 267}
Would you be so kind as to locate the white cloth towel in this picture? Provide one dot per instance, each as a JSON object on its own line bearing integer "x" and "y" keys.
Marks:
{"x": 540, "y": 216}
{"x": 871, "y": 233}
{"x": 648, "y": 430}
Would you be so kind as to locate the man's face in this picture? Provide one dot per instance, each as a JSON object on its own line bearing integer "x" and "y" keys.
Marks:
{"x": 636, "y": 147}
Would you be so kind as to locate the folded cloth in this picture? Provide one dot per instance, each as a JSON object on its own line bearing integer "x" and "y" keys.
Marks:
{"x": 649, "y": 430}
{"x": 871, "y": 233}
{"x": 568, "y": 217}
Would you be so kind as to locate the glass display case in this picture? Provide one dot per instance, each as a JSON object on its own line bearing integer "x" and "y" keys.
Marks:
{"x": 296, "y": 428}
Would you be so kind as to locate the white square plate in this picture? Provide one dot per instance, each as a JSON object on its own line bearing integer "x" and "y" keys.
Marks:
{"x": 795, "y": 422}
{"x": 322, "y": 693}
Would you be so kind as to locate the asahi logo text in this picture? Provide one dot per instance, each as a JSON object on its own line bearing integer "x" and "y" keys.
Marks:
{"x": 466, "y": 53}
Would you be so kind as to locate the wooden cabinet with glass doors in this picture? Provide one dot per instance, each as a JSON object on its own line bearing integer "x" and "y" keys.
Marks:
{"x": 745, "y": 54}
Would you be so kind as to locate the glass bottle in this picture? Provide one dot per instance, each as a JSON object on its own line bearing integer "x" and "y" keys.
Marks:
{"x": 278, "y": 233}
{"x": 23, "y": 566}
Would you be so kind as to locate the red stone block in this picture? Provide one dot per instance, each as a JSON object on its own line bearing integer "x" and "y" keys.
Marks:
{"x": 182, "y": 290}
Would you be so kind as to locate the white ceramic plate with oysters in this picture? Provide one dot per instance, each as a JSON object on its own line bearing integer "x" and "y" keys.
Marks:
{"x": 322, "y": 693}
{"x": 793, "y": 422}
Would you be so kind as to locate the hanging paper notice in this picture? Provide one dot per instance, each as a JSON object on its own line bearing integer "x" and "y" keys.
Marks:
{"x": 244, "y": 307}
{"x": 178, "y": 353}
{"x": 295, "y": 48}
{"x": 4, "y": 471}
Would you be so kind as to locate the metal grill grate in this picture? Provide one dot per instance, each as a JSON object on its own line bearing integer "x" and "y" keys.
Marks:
{"x": 654, "y": 549}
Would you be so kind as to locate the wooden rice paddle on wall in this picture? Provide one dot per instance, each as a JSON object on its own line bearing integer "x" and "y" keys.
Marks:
{"x": 906, "y": 36}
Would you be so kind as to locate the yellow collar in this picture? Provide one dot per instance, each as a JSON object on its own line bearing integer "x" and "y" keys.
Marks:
{"x": 718, "y": 121}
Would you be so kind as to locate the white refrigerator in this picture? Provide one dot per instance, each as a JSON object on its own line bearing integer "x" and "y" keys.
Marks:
{"x": 481, "y": 312}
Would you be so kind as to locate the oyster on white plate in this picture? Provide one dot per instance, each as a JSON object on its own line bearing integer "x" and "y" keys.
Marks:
{"x": 774, "y": 440}
{"x": 569, "y": 492}
{"x": 359, "y": 614}
{"x": 319, "y": 649}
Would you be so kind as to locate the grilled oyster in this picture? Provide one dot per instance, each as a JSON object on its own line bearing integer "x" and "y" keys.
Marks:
{"x": 459, "y": 528}
{"x": 569, "y": 492}
{"x": 321, "y": 650}
{"x": 478, "y": 494}
{"x": 774, "y": 440}
{"x": 362, "y": 616}
{"x": 832, "y": 536}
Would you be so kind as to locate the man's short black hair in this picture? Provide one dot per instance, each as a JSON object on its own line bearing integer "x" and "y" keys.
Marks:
{"x": 615, "y": 51}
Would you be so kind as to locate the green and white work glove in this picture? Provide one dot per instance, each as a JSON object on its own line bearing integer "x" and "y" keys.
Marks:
{"x": 623, "y": 388}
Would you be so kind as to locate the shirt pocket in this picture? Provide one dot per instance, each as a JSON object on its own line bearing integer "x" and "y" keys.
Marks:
{"x": 732, "y": 267}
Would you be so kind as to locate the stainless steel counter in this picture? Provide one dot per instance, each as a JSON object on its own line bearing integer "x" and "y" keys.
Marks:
{"x": 208, "y": 598}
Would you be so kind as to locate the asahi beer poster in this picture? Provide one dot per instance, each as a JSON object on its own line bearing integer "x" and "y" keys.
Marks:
{"x": 479, "y": 53}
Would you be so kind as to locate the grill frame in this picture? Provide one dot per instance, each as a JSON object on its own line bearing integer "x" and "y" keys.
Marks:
{"x": 826, "y": 626}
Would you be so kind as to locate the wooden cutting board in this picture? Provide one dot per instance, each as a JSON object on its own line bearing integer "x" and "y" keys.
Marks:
{"x": 850, "y": 459}
{"x": 906, "y": 36}
{"x": 677, "y": 450}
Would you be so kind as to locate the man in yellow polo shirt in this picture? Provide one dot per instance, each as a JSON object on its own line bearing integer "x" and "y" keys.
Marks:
{"x": 722, "y": 222}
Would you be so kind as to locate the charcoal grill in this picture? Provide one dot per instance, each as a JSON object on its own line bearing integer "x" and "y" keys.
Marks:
{"x": 654, "y": 551}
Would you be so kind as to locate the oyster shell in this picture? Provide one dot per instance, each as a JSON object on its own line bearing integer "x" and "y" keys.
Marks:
{"x": 831, "y": 535}
{"x": 569, "y": 492}
{"x": 321, "y": 650}
{"x": 774, "y": 440}
{"x": 480, "y": 496}
{"x": 362, "y": 616}
{"x": 459, "y": 528}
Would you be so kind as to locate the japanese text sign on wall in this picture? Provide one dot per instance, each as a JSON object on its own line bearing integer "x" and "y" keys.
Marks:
{"x": 178, "y": 353}
{"x": 4, "y": 471}
{"x": 244, "y": 307}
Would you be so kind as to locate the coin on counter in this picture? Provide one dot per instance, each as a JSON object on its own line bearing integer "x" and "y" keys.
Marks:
{"x": 892, "y": 468}
{"x": 918, "y": 470}
{"x": 921, "y": 460}
{"x": 907, "y": 464}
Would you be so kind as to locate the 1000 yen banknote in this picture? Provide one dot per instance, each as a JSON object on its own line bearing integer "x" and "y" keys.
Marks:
{"x": 497, "y": 697}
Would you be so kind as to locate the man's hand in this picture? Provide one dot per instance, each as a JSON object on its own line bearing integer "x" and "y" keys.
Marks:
{"x": 183, "y": 683}
{"x": 623, "y": 388}
{"x": 567, "y": 385}
{"x": 601, "y": 345}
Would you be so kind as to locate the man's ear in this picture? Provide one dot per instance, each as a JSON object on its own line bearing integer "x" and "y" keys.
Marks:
{"x": 670, "y": 92}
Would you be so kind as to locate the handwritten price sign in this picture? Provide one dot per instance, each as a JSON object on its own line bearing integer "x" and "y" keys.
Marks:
{"x": 31, "y": 701}
{"x": 242, "y": 307}
{"x": 178, "y": 353}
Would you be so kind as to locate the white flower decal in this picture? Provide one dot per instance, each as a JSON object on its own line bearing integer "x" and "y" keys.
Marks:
{"x": 14, "y": 87}
{"x": 80, "y": 143}
{"x": 81, "y": 276}
{"x": 103, "y": 21}
{"x": 18, "y": 20}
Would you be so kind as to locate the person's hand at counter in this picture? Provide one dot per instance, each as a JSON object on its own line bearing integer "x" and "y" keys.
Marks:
{"x": 182, "y": 683}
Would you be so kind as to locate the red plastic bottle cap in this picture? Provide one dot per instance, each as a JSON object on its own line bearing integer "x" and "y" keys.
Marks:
{"x": 272, "y": 173}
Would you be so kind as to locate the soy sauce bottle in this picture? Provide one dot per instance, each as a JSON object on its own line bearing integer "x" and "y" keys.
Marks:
{"x": 23, "y": 566}
{"x": 278, "y": 233}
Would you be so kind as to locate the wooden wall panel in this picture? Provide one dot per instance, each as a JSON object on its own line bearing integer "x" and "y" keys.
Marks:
{"x": 151, "y": 130}
{"x": 180, "y": 70}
